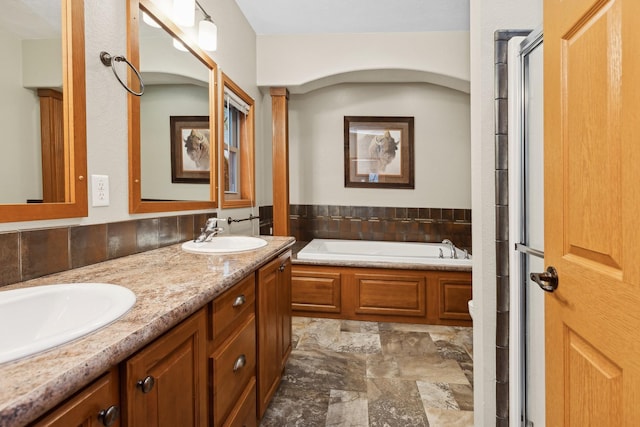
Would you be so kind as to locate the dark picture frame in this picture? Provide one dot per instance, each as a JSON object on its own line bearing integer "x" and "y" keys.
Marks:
{"x": 378, "y": 152}
{"x": 191, "y": 149}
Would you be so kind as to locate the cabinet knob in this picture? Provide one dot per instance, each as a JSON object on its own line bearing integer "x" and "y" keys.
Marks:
{"x": 240, "y": 362}
{"x": 146, "y": 385}
{"x": 282, "y": 266}
{"x": 109, "y": 416}
{"x": 240, "y": 300}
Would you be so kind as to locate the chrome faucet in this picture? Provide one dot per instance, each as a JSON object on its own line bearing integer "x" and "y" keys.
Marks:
{"x": 209, "y": 231}
{"x": 451, "y": 247}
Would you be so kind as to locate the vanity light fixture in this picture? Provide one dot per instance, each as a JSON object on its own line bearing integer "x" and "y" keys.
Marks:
{"x": 207, "y": 31}
{"x": 182, "y": 12}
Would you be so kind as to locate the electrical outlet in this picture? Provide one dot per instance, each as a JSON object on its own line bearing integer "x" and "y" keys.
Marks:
{"x": 100, "y": 190}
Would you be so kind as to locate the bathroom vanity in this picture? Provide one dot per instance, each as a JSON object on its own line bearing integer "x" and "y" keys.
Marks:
{"x": 204, "y": 344}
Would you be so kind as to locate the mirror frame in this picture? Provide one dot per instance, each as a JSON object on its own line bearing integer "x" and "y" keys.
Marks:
{"x": 75, "y": 127}
{"x": 136, "y": 204}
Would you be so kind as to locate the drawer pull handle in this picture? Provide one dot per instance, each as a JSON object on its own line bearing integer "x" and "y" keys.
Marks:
{"x": 109, "y": 416}
{"x": 240, "y": 362}
{"x": 146, "y": 385}
{"x": 240, "y": 300}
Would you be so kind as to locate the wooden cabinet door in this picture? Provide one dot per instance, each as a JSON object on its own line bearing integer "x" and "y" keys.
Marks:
{"x": 174, "y": 368}
{"x": 274, "y": 326}
{"x": 96, "y": 405}
{"x": 592, "y": 195}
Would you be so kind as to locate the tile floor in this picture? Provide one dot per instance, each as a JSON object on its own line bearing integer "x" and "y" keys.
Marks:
{"x": 360, "y": 374}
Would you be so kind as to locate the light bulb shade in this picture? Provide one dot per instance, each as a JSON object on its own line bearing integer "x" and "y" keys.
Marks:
{"x": 184, "y": 12}
{"x": 178, "y": 45}
{"x": 208, "y": 35}
{"x": 149, "y": 20}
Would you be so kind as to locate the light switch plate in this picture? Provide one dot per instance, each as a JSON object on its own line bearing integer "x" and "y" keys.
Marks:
{"x": 100, "y": 190}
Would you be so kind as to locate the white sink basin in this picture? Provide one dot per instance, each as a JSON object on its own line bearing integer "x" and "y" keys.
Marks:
{"x": 39, "y": 318}
{"x": 224, "y": 244}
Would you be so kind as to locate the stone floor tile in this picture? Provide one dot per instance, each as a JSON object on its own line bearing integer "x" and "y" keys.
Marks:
{"x": 394, "y": 403}
{"x": 449, "y": 418}
{"x": 347, "y": 409}
{"x": 437, "y": 395}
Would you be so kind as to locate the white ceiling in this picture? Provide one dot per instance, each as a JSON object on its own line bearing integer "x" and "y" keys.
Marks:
{"x": 355, "y": 16}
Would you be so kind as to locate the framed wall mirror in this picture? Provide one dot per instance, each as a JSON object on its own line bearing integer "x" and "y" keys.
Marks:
{"x": 42, "y": 111}
{"x": 178, "y": 84}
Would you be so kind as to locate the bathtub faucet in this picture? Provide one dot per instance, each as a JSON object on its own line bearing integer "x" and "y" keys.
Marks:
{"x": 209, "y": 231}
{"x": 452, "y": 247}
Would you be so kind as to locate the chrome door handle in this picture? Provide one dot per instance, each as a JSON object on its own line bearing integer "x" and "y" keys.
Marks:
{"x": 548, "y": 281}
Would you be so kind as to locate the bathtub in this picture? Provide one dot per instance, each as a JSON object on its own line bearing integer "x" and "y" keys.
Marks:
{"x": 377, "y": 251}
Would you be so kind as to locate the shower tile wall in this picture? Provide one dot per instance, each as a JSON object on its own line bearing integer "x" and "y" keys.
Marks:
{"x": 381, "y": 223}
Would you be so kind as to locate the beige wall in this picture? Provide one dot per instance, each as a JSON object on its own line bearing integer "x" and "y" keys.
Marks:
{"x": 303, "y": 60}
{"x": 487, "y": 16}
{"x": 441, "y": 144}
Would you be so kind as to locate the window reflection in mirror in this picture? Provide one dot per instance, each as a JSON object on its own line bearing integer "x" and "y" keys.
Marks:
{"x": 177, "y": 84}
{"x": 237, "y": 147}
{"x": 44, "y": 162}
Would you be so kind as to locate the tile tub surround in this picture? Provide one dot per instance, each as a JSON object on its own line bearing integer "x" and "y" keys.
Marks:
{"x": 381, "y": 223}
{"x": 351, "y": 373}
{"x": 169, "y": 284}
{"x": 28, "y": 254}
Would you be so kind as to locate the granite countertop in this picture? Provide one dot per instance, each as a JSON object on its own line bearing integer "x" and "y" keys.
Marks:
{"x": 169, "y": 284}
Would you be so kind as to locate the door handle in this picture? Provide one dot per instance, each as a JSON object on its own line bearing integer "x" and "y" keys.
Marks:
{"x": 548, "y": 281}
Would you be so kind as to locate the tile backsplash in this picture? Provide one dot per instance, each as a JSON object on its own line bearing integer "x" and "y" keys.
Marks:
{"x": 381, "y": 223}
{"x": 29, "y": 254}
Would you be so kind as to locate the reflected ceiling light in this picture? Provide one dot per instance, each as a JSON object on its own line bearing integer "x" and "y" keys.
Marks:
{"x": 184, "y": 12}
{"x": 149, "y": 20}
{"x": 178, "y": 45}
{"x": 165, "y": 7}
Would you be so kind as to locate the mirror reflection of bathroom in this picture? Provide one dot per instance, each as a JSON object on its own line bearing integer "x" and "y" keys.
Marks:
{"x": 31, "y": 110}
{"x": 176, "y": 85}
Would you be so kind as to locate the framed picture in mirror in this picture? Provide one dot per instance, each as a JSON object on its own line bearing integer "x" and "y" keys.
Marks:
{"x": 190, "y": 149}
{"x": 378, "y": 152}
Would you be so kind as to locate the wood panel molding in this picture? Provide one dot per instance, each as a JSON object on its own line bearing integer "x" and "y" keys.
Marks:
{"x": 280, "y": 152}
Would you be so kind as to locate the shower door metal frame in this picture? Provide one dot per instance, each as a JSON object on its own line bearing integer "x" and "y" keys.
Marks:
{"x": 522, "y": 248}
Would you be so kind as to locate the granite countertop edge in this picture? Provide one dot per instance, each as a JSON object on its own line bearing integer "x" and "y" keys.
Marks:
{"x": 169, "y": 284}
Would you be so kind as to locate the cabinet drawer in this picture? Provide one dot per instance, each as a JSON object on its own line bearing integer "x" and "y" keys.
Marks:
{"x": 230, "y": 308}
{"x": 315, "y": 291}
{"x": 233, "y": 366}
{"x": 390, "y": 295}
{"x": 244, "y": 413}
{"x": 454, "y": 297}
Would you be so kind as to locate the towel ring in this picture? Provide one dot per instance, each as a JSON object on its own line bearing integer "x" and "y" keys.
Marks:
{"x": 109, "y": 60}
